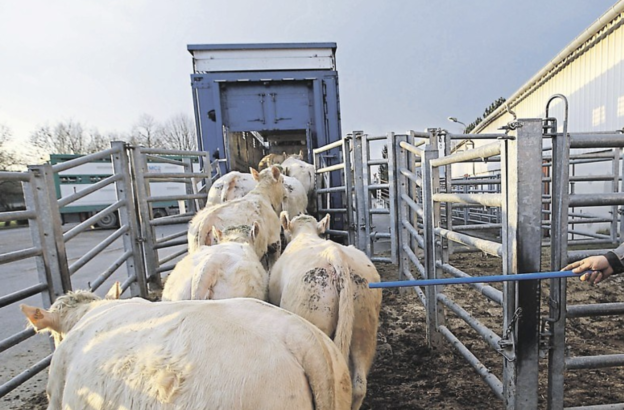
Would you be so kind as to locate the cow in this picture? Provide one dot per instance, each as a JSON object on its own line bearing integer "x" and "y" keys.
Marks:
{"x": 302, "y": 171}
{"x": 276, "y": 159}
{"x": 262, "y": 204}
{"x": 230, "y": 186}
{"x": 327, "y": 284}
{"x": 227, "y": 354}
{"x": 229, "y": 269}
{"x": 234, "y": 185}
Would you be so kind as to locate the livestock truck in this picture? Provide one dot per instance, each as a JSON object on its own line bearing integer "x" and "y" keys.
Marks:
{"x": 83, "y": 176}
{"x": 251, "y": 100}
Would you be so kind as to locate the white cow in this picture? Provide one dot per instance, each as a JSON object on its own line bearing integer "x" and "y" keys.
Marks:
{"x": 234, "y": 185}
{"x": 276, "y": 159}
{"x": 229, "y": 269}
{"x": 327, "y": 284}
{"x": 302, "y": 171}
{"x": 230, "y": 186}
{"x": 262, "y": 204}
{"x": 228, "y": 354}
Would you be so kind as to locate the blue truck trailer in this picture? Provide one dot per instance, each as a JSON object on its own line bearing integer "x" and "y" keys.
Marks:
{"x": 251, "y": 100}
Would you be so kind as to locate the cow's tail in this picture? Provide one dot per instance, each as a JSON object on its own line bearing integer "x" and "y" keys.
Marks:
{"x": 346, "y": 312}
{"x": 227, "y": 188}
{"x": 203, "y": 281}
{"x": 329, "y": 380}
{"x": 200, "y": 231}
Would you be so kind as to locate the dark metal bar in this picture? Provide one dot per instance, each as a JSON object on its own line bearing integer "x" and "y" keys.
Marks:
{"x": 93, "y": 252}
{"x": 24, "y": 376}
{"x": 90, "y": 189}
{"x": 491, "y": 380}
{"x": 16, "y": 338}
{"x": 22, "y": 294}
{"x": 19, "y": 255}
{"x": 63, "y": 166}
{"x": 594, "y": 362}
{"x": 596, "y": 309}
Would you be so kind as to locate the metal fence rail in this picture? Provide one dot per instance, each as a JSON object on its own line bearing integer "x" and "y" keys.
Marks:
{"x": 334, "y": 186}
{"x": 49, "y": 241}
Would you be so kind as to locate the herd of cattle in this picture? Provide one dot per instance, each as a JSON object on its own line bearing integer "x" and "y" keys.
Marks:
{"x": 214, "y": 342}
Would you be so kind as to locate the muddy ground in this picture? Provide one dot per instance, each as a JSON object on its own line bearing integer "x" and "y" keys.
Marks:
{"x": 409, "y": 375}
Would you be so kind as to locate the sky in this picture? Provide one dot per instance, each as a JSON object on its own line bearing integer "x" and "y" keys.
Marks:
{"x": 402, "y": 64}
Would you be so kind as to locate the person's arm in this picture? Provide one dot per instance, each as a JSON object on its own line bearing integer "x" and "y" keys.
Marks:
{"x": 599, "y": 268}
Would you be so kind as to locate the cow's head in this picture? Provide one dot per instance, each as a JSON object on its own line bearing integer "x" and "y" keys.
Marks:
{"x": 271, "y": 185}
{"x": 239, "y": 233}
{"x": 65, "y": 312}
{"x": 303, "y": 223}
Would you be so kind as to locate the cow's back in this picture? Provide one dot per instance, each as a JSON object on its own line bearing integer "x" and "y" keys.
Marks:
{"x": 233, "y": 354}
{"x": 230, "y": 186}
{"x": 243, "y": 211}
{"x": 227, "y": 270}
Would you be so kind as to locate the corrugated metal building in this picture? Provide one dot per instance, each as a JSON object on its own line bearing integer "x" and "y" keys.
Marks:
{"x": 589, "y": 72}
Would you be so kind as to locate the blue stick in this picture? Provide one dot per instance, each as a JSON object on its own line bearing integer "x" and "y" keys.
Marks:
{"x": 475, "y": 279}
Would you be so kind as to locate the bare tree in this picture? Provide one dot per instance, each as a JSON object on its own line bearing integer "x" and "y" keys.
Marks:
{"x": 146, "y": 132}
{"x": 178, "y": 132}
{"x": 66, "y": 137}
{"x": 6, "y": 156}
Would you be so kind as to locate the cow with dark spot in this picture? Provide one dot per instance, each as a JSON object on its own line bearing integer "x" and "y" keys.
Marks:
{"x": 327, "y": 284}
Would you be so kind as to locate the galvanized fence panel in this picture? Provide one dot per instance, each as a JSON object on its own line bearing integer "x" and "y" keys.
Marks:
{"x": 563, "y": 198}
{"x": 434, "y": 231}
{"x": 196, "y": 182}
{"x": 50, "y": 243}
{"x": 334, "y": 182}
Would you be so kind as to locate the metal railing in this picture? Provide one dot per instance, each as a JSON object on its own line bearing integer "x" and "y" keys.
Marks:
{"x": 131, "y": 179}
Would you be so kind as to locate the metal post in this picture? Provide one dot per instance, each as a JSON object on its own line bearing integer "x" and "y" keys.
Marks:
{"x": 392, "y": 188}
{"x": 360, "y": 194}
{"x": 521, "y": 159}
{"x": 429, "y": 211}
{"x": 448, "y": 177}
{"x": 147, "y": 238}
{"x": 621, "y": 189}
{"x": 47, "y": 233}
{"x": 367, "y": 195}
{"x": 403, "y": 210}
{"x": 558, "y": 259}
{"x": 128, "y": 217}
{"x": 188, "y": 168}
{"x": 615, "y": 169}
{"x": 351, "y": 219}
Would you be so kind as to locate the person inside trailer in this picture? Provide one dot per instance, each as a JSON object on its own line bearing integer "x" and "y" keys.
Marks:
{"x": 600, "y": 267}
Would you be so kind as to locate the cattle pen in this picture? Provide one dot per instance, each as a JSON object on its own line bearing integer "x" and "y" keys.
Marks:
{"x": 427, "y": 224}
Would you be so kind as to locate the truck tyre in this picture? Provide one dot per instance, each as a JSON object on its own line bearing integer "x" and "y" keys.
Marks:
{"x": 158, "y": 213}
{"x": 110, "y": 221}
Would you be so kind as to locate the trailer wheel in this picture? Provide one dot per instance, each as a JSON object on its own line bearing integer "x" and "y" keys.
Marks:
{"x": 110, "y": 221}
{"x": 159, "y": 213}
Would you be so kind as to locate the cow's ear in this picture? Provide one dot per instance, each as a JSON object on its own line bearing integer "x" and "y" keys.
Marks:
{"x": 284, "y": 220}
{"x": 114, "y": 292}
{"x": 217, "y": 234}
{"x": 323, "y": 225}
{"x": 255, "y": 231}
{"x": 255, "y": 175}
{"x": 275, "y": 172}
{"x": 40, "y": 318}
{"x": 301, "y": 153}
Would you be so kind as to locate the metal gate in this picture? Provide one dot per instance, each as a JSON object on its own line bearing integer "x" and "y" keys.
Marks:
{"x": 366, "y": 197}
{"x": 58, "y": 267}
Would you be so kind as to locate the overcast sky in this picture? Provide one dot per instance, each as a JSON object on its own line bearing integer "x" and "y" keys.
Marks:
{"x": 402, "y": 64}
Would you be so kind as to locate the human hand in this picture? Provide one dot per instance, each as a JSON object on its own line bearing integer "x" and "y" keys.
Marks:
{"x": 598, "y": 267}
